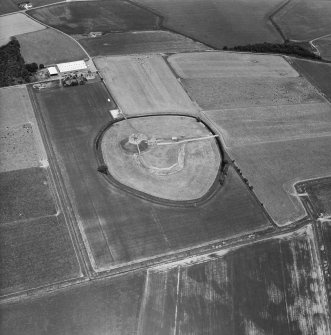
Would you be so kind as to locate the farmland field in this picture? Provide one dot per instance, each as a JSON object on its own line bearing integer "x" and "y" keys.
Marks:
{"x": 172, "y": 171}
{"x": 229, "y": 64}
{"x": 324, "y": 47}
{"x": 305, "y": 19}
{"x": 15, "y": 24}
{"x": 7, "y": 6}
{"x": 218, "y": 23}
{"x": 24, "y": 195}
{"x": 105, "y": 16}
{"x": 140, "y": 42}
{"x": 49, "y": 46}
{"x": 317, "y": 73}
{"x": 144, "y": 85}
{"x": 110, "y": 306}
{"x": 119, "y": 226}
{"x": 215, "y": 93}
{"x": 36, "y": 253}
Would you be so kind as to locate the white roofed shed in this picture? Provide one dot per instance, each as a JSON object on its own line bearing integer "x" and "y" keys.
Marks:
{"x": 72, "y": 66}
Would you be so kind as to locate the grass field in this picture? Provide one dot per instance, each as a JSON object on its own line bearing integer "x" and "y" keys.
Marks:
{"x": 49, "y": 46}
{"x": 36, "y": 253}
{"x": 109, "y": 306}
{"x": 215, "y": 93}
{"x": 319, "y": 192}
{"x": 317, "y": 73}
{"x": 270, "y": 287}
{"x": 144, "y": 85}
{"x": 25, "y": 194}
{"x": 305, "y": 19}
{"x": 118, "y": 226}
{"x": 8, "y": 6}
{"x": 104, "y": 16}
{"x": 218, "y": 23}
{"x": 229, "y": 64}
{"x": 201, "y": 164}
{"x": 324, "y": 47}
{"x": 140, "y": 43}
{"x": 15, "y": 24}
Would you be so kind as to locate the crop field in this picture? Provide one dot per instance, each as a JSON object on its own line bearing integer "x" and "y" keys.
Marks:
{"x": 229, "y": 64}
{"x": 24, "y": 195}
{"x": 49, "y": 46}
{"x": 15, "y": 24}
{"x": 7, "y": 6}
{"x": 218, "y": 23}
{"x": 144, "y": 85}
{"x": 215, "y": 93}
{"x": 141, "y": 42}
{"x": 270, "y": 287}
{"x": 105, "y": 16}
{"x": 36, "y": 253}
{"x": 304, "y": 19}
{"x": 317, "y": 73}
{"x": 173, "y": 171}
{"x": 324, "y": 47}
{"x": 119, "y": 226}
{"x": 109, "y": 306}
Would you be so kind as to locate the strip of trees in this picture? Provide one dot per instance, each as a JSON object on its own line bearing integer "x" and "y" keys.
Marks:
{"x": 13, "y": 69}
{"x": 287, "y": 48}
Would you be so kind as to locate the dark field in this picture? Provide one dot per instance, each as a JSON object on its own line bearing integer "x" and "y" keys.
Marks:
{"x": 139, "y": 42}
{"x": 318, "y": 74}
{"x": 104, "y": 307}
{"x": 319, "y": 191}
{"x": 218, "y": 23}
{"x": 272, "y": 287}
{"x": 105, "y": 16}
{"x": 8, "y": 6}
{"x": 36, "y": 253}
{"x": 25, "y": 194}
{"x": 324, "y": 47}
{"x": 120, "y": 227}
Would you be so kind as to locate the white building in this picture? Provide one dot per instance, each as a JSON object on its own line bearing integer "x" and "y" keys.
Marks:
{"x": 72, "y": 66}
{"x": 52, "y": 71}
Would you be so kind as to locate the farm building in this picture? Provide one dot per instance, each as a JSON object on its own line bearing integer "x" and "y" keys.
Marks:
{"x": 25, "y": 5}
{"x": 72, "y": 66}
{"x": 52, "y": 71}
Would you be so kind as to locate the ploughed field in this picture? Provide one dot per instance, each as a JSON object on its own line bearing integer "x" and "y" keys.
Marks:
{"x": 270, "y": 286}
{"x": 96, "y": 16}
{"x": 277, "y": 138}
{"x": 118, "y": 226}
{"x": 140, "y": 42}
{"x": 218, "y": 23}
{"x": 36, "y": 248}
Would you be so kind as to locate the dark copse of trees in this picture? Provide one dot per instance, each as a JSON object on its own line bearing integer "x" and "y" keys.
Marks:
{"x": 287, "y": 48}
{"x": 13, "y": 69}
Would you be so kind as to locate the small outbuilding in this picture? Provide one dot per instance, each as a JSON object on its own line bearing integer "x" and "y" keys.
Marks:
{"x": 52, "y": 71}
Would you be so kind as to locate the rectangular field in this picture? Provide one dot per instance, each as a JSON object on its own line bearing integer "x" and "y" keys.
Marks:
{"x": 144, "y": 85}
{"x": 274, "y": 286}
{"x": 230, "y": 64}
{"x": 49, "y": 46}
{"x": 119, "y": 227}
{"x": 142, "y": 42}
{"x": 219, "y": 23}
{"x": 36, "y": 253}
{"x": 15, "y": 24}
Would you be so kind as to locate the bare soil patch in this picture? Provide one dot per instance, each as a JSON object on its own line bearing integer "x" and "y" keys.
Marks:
{"x": 192, "y": 180}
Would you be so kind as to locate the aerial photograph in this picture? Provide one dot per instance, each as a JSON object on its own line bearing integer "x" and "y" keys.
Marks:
{"x": 165, "y": 167}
